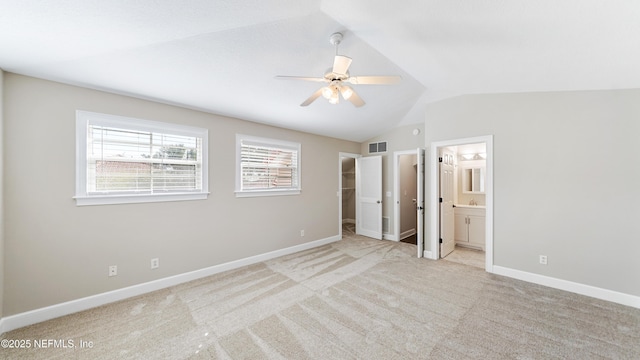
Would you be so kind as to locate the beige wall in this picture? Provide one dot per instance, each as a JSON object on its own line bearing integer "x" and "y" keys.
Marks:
{"x": 565, "y": 180}
{"x": 57, "y": 252}
{"x": 398, "y": 139}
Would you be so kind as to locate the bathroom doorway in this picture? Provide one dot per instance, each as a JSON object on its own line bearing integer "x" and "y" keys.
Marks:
{"x": 472, "y": 204}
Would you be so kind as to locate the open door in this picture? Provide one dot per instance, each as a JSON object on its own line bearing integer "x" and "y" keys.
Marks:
{"x": 420, "y": 201}
{"x": 447, "y": 216}
{"x": 369, "y": 196}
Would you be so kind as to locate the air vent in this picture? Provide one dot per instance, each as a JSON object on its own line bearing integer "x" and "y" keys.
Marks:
{"x": 378, "y": 147}
{"x": 385, "y": 224}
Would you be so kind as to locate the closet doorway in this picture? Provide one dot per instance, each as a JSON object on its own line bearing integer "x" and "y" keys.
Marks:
{"x": 347, "y": 194}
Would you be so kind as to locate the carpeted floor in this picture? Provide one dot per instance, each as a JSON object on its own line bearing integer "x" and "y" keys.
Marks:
{"x": 348, "y": 300}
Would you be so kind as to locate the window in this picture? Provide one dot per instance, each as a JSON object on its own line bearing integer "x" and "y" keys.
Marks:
{"x": 266, "y": 167}
{"x": 126, "y": 160}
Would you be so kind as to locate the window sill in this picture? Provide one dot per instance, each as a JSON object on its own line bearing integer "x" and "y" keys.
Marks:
{"x": 258, "y": 193}
{"x": 135, "y": 199}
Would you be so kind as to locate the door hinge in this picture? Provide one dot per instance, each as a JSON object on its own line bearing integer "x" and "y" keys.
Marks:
{"x": 440, "y": 240}
{"x": 440, "y": 159}
{"x": 440, "y": 199}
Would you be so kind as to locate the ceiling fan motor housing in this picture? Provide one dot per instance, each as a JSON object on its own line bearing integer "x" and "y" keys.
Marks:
{"x": 330, "y": 76}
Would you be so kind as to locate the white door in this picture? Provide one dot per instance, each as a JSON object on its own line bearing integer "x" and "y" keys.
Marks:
{"x": 447, "y": 220}
{"x": 369, "y": 196}
{"x": 420, "y": 201}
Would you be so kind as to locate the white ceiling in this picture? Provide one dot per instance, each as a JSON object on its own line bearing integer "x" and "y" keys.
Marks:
{"x": 222, "y": 56}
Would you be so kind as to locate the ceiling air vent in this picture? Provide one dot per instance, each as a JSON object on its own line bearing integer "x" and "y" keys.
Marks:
{"x": 378, "y": 147}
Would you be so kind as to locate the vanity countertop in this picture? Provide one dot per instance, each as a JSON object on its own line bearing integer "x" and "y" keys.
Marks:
{"x": 471, "y": 206}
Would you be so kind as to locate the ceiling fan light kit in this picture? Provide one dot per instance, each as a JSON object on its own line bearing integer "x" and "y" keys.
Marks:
{"x": 346, "y": 91}
{"x": 327, "y": 92}
{"x": 339, "y": 74}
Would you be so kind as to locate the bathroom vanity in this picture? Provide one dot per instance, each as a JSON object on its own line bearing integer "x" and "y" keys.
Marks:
{"x": 470, "y": 226}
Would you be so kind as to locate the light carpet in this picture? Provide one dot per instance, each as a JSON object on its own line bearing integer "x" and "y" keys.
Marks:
{"x": 353, "y": 299}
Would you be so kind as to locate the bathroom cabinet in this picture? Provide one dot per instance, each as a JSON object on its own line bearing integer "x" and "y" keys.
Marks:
{"x": 470, "y": 226}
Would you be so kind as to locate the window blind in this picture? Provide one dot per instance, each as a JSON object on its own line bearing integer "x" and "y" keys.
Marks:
{"x": 132, "y": 161}
{"x": 268, "y": 166}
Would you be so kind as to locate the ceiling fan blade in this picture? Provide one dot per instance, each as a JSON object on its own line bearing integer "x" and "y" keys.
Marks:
{"x": 312, "y": 98}
{"x": 316, "y": 79}
{"x": 341, "y": 64}
{"x": 374, "y": 80}
{"x": 349, "y": 94}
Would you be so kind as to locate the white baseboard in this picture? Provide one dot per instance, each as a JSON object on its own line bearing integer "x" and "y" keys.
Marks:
{"x": 389, "y": 237}
{"x": 406, "y": 234}
{"x": 428, "y": 255}
{"x": 50, "y": 312}
{"x": 582, "y": 289}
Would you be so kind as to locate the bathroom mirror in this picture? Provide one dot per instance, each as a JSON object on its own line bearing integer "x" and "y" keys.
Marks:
{"x": 473, "y": 180}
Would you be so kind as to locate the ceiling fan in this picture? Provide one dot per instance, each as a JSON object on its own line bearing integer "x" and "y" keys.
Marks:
{"x": 336, "y": 77}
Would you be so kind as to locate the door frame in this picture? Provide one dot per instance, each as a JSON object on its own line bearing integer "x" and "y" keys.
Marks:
{"x": 434, "y": 203}
{"x": 340, "y": 156}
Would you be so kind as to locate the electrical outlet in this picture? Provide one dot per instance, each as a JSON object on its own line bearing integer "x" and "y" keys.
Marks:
{"x": 301, "y": 232}
{"x": 113, "y": 270}
{"x": 543, "y": 259}
{"x": 155, "y": 263}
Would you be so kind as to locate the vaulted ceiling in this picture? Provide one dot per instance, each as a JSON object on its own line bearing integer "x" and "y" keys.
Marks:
{"x": 223, "y": 56}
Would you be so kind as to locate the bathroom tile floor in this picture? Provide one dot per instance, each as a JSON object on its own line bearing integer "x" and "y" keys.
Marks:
{"x": 467, "y": 256}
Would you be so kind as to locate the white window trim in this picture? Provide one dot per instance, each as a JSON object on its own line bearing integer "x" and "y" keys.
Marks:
{"x": 266, "y": 192}
{"x": 84, "y": 118}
